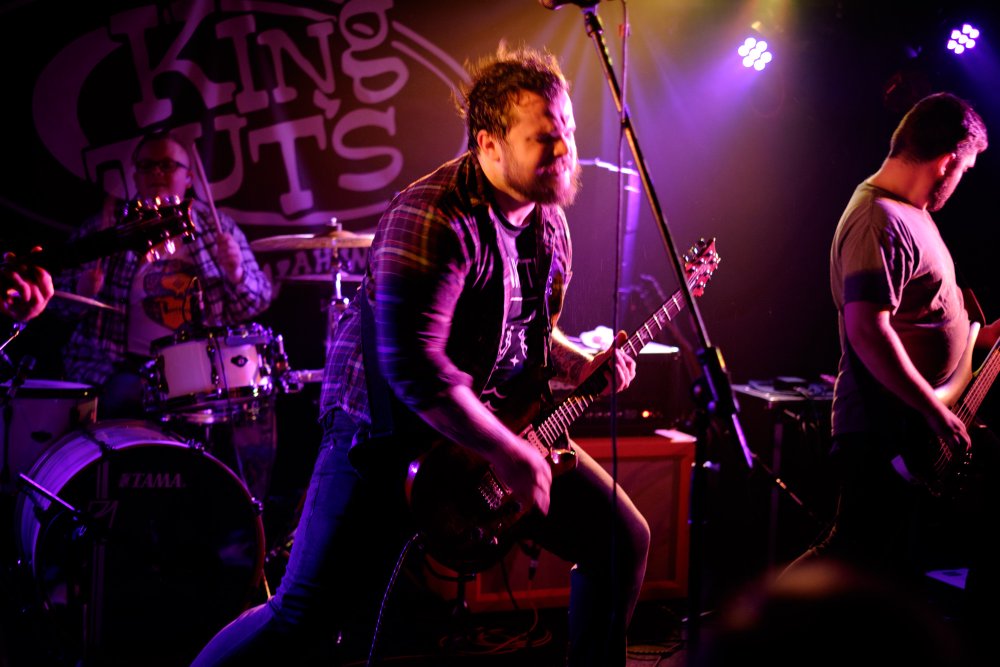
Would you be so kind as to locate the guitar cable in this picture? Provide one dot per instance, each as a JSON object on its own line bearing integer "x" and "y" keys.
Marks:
{"x": 385, "y": 597}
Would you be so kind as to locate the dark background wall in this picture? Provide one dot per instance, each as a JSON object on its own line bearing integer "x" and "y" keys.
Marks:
{"x": 310, "y": 110}
{"x": 764, "y": 163}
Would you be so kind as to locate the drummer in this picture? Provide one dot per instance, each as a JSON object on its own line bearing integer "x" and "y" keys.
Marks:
{"x": 212, "y": 281}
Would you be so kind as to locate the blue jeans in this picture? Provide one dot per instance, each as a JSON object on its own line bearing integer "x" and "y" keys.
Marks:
{"x": 607, "y": 542}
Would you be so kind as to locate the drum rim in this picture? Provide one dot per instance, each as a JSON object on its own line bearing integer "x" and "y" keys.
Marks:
{"x": 197, "y": 401}
{"x": 244, "y": 333}
{"x": 51, "y": 388}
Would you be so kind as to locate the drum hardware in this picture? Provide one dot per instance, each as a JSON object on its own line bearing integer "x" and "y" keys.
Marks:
{"x": 15, "y": 330}
{"x": 321, "y": 278}
{"x": 305, "y": 376}
{"x": 174, "y": 543}
{"x": 85, "y": 520}
{"x": 215, "y": 374}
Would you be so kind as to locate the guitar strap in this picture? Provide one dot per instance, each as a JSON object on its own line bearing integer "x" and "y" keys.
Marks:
{"x": 972, "y": 305}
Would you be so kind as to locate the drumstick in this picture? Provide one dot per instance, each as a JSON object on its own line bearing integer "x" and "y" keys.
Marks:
{"x": 199, "y": 171}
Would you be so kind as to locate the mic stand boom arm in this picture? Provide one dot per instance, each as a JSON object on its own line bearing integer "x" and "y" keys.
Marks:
{"x": 713, "y": 392}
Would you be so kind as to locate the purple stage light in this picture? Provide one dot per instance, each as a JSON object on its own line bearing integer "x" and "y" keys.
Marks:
{"x": 962, "y": 40}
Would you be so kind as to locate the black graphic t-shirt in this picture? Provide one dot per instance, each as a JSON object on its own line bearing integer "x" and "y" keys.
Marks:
{"x": 520, "y": 357}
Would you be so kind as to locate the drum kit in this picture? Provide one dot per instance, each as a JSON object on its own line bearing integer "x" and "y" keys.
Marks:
{"x": 130, "y": 531}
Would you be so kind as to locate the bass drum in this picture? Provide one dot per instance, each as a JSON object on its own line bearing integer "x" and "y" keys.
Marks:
{"x": 138, "y": 543}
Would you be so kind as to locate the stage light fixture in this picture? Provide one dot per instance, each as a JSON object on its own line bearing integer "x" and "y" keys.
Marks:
{"x": 961, "y": 40}
{"x": 754, "y": 53}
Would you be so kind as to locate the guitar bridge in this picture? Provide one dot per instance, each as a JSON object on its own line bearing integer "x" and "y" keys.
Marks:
{"x": 492, "y": 491}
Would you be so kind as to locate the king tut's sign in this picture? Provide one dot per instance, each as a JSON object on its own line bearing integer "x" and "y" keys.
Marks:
{"x": 300, "y": 112}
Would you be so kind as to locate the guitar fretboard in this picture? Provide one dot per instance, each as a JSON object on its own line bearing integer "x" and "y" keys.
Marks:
{"x": 976, "y": 393}
{"x": 552, "y": 427}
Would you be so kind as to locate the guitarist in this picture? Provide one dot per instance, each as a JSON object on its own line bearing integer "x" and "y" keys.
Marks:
{"x": 464, "y": 285}
{"x": 903, "y": 328}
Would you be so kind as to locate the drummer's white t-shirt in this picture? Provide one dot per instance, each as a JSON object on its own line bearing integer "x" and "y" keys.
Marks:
{"x": 159, "y": 300}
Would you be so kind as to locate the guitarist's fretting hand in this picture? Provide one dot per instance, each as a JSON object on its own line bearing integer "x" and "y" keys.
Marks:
{"x": 624, "y": 364}
{"x": 26, "y": 289}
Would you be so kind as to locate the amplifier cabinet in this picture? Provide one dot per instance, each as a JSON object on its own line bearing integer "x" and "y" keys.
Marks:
{"x": 655, "y": 471}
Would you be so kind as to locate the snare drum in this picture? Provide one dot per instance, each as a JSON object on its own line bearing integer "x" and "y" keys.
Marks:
{"x": 42, "y": 410}
{"x": 165, "y": 548}
{"x": 216, "y": 374}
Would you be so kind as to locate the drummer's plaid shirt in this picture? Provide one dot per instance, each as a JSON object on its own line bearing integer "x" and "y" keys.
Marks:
{"x": 98, "y": 345}
{"x": 438, "y": 237}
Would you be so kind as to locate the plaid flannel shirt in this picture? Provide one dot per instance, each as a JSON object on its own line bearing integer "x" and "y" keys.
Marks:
{"x": 439, "y": 283}
{"x": 99, "y": 342}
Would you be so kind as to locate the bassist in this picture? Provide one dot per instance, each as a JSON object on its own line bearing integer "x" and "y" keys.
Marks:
{"x": 904, "y": 330}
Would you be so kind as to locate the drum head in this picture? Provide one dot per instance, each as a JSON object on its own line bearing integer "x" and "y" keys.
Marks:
{"x": 168, "y": 546}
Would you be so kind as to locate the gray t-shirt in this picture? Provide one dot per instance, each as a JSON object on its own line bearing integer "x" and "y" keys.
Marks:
{"x": 887, "y": 251}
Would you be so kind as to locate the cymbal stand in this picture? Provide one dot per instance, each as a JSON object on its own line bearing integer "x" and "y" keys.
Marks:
{"x": 338, "y": 302}
{"x": 24, "y": 367}
{"x": 15, "y": 330}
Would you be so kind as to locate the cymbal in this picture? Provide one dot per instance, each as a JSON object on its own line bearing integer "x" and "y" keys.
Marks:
{"x": 69, "y": 296}
{"x": 336, "y": 240}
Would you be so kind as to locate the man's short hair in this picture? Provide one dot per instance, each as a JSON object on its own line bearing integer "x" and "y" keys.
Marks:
{"x": 498, "y": 80}
{"x": 937, "y": 125}
{"x": 161, "y": 134}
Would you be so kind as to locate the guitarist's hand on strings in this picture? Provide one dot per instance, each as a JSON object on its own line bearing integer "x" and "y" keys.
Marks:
{"x": 624, "y": 364}
{"x": 519, "y": 465}
{"x": 26, "y": 289}
{"x": 949, "y": 427}
{"x": 526, "y": 473}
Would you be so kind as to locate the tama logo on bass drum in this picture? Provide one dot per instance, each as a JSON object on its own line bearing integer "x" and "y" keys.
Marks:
{"x": 151, "y": 480}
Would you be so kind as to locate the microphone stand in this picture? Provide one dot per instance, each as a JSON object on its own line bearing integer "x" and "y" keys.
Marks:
{"x": 712, "y": 393}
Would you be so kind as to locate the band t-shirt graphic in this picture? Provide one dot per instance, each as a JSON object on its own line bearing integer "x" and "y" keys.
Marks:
{"x": 159, "y": 301}
{"x": 520, "y": 354}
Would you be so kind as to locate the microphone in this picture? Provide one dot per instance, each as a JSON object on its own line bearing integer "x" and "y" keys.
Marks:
{"x": 197, "y": 304}
{"x": 556, "y": 4}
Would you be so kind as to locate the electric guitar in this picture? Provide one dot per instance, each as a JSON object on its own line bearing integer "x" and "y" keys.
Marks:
{"x": 465, "y": 513}
{"x": 149, "y": 227}
{"x": 929, "y": 461}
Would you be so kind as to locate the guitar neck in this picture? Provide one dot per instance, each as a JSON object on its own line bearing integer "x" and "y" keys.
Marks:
{"x": 552, "y": 427}
{"x": 972, "y": 399}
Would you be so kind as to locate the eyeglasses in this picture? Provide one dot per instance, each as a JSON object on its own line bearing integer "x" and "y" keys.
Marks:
{"x": 166, "y": 166}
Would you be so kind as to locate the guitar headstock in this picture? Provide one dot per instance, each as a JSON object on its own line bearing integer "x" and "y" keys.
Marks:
{"x": 153, "y": 226}
{"x": 700, "y": 262}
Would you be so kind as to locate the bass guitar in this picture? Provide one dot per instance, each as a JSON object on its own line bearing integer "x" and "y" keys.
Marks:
{"x": 464, "y": 512}
{"x": 929, "y": 462}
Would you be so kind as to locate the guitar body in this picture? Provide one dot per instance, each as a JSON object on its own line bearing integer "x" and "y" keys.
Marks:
{"x": 466, "y": 515}
{"x": 927, "y": 461}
